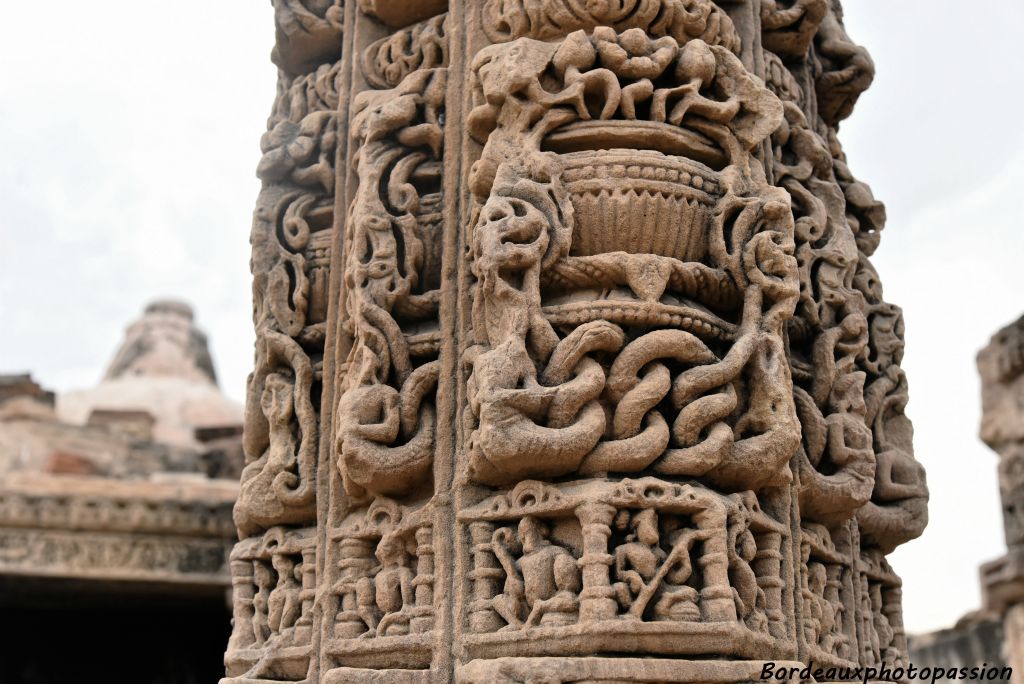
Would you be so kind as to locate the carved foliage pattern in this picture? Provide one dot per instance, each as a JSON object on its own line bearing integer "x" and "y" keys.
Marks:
{"x": 291, "y": 253}
{"x": 569, "y": 281}
{"x": 385, "y": 417}
{"x": 680, "y": 19}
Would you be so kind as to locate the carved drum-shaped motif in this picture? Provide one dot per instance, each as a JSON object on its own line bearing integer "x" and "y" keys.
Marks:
{"x": 639, "y": 201}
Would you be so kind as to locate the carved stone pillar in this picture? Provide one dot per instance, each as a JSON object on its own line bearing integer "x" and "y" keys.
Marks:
{"x": 569, "y": 347}
{"x": 596, "y": 602}
{"x": 1001, "y": 365}
{"x": 242, "y": 592}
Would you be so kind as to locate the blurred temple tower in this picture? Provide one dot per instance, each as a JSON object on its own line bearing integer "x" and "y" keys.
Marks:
{"x": 115, "y": 514}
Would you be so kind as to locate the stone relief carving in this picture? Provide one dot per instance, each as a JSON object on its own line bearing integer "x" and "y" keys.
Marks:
{"x": 113, "y": 513}
{"x": 380, "y": 604}
{"x": 101, "y": 555}
{"x": 309, "y": 33}
{"x": 385, "y": 418}
{"x": 273, "y": 585}
{"x": 273, "y": 571}
{"x": 386, "y": 62}
{"x": 549, "y": 19}
{"x": 787, "y": 28}
{"x": 570, "y": 346}
{"x": 845, "y": 346}
{"x": 623, "y": 562}
{"x": 386, "y": 588}
{"x": 290, "y": 254}
{"x": 546, "y": 212}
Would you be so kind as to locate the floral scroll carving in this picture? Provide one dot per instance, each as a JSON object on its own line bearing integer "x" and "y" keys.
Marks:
{"x": 379, "y": 604}
{"x": 548, "y": 19}
{"x": 856, "y": 461}
{"x": 290, "y": 256}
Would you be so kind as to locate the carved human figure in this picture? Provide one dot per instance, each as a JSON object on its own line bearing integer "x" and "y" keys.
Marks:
{"x": 637, "y": 560}
{"x": 544, "y": 252}
{"x": 823, "y": 611}
{"x": 646, "y": 571}
{"x": 278, "y": 407}
{"x": 264, "y": 580}
{"x": 385, "y": 595}
{"x": 898, "y": 507}
{"x": 285, "y": 603}
{"x": 637, "y": 254}
{"x": 271, "y": 483}
{"x": 541, "y": 586}
{"x": 393, "y": 586}
{"x": 385, "y": 415}
{"x": 366, "y": 605}
{"x": 748, "y": 596}
{"x": 883, "y": 630}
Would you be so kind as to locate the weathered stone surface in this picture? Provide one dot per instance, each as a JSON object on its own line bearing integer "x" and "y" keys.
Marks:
{"x": 110, "y": 530}
{"x": 569, "y": 348}
{"x": 1001, "y": 365}
{"x": 974, "y": 642}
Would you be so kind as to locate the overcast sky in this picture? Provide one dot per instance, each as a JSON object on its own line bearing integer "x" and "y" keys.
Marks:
{"x": 130, "y": 134}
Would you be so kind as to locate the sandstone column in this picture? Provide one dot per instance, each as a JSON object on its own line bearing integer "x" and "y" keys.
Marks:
{"x": 1001, "y": 365}
{"x": 571, "y": 364}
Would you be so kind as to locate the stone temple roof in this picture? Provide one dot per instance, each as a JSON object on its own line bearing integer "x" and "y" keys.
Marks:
{"x": 132, "y": 480}
{"x": 163, "y": 367}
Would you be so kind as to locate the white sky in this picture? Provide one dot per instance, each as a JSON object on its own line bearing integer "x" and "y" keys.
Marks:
{"x": 129, "y": 137}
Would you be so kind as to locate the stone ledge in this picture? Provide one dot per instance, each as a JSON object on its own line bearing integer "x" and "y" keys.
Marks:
{"x": 114, "y": 557}
{"x": 180, "y": 506}
{"x": 649, "y": 670}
